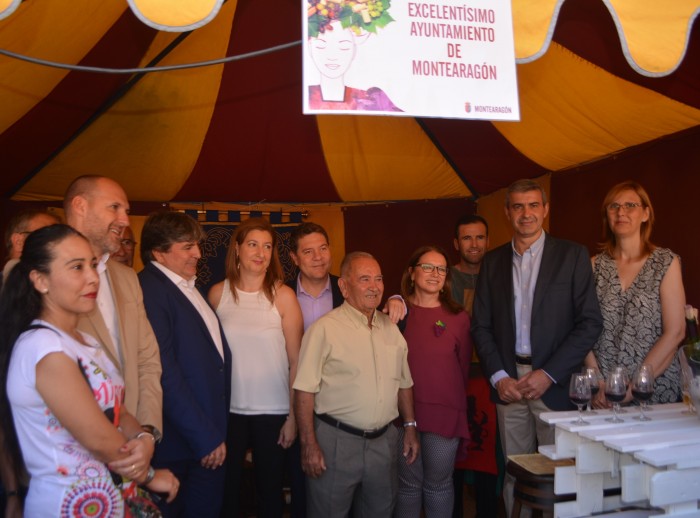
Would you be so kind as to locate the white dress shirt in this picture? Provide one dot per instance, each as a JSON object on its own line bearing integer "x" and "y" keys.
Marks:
{"x": 187, "y": 287}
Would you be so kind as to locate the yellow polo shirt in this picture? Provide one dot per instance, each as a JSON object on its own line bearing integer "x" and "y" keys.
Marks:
{"x": 355, "y": 372}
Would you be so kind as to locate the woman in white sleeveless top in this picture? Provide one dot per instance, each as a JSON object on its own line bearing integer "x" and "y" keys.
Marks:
{"x": 263, "y": 325}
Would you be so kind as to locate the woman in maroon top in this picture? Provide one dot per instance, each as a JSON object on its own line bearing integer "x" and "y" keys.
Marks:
{"x": 439, "y": 354}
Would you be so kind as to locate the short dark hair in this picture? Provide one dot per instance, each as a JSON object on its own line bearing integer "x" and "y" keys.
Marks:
{"x": 303, "y": 230}
{"x": 165, "y": 228}
{"x": 20, "y": 222}
{"x": 470, "y": 219}
{"x": 525, "y": 185}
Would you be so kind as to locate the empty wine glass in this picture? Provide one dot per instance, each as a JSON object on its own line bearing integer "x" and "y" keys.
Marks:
{"x": 594, "y": 378}
{"x": 615, "y": 391}
{"x": 579, "y": 394}
{"x": 643, "y": 389}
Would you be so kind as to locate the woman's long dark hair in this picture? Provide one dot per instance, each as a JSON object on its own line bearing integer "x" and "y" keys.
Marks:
{"x": 20, "y": 304}
{"x": 445, "y": 297}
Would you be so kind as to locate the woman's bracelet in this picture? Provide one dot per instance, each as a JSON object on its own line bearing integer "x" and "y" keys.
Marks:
{"x": 14, "y": 492}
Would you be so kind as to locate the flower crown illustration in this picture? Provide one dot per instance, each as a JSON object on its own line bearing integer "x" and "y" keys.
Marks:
{"x": 358, "y": 15}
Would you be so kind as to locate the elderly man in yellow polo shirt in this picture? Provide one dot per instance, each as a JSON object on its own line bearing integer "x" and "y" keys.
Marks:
{"x": 352, "y": 382}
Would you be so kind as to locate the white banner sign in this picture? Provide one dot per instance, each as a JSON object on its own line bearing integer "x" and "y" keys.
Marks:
{"x": 437, "y": 58}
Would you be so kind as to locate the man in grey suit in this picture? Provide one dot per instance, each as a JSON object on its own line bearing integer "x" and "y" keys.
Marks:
{"x": 535, "y": 317}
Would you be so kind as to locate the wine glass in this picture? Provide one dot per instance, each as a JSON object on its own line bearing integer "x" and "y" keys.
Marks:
{"x": 615, "y": 391}
{"x": 625, "y": 375}
{"x": 579, "y": 394}
{"x": 594, "y": 378}
{"x": 643, "y": 389}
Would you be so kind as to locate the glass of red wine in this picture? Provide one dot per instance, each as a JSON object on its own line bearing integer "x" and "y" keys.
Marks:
{"x": 594, "y": 378}
{"x": 643, "y": 389}
{"x": 579, "y": 394}
{"x": 615, "y": 392}
{"x": 625, "y": 374}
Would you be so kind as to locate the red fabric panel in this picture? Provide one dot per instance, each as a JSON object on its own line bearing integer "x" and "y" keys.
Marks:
{"x": 392, "y": 231}
{"x": 260, "y": 146}
{"x": 481, "y": 414}
{"x": 480, "y": 155}
{"x": 668, "y": 170}
{"x": 587, "y": 29}
{"x": 54, "y": 120}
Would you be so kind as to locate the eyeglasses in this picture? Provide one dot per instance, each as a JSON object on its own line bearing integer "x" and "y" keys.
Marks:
{"x": 128, "y": 243}
{"x": 628, "y": 205}
{"x": 430, "y": 268}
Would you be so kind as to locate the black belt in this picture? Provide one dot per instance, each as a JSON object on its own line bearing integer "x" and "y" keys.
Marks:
{"x": 523, "y": 360}
{"x": 367, "y": 434}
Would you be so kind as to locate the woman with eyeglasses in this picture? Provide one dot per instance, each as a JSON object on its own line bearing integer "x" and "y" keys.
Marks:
{"x": 641, "y": 296}
{"x": 439, "y": 355}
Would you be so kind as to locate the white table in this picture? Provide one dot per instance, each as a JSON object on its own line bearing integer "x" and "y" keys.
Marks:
{"x": 653, "y": 462}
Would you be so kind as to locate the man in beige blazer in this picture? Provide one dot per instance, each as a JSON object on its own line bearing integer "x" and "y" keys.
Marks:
{"x": 97, "y": 207}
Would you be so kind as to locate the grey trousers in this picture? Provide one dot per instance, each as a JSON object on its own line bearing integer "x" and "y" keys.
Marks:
{"x": 360, "y": 474}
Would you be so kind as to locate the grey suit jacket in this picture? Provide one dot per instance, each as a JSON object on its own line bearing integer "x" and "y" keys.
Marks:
{"x": 141, "y": 368}
{"x": 565, "y": 320}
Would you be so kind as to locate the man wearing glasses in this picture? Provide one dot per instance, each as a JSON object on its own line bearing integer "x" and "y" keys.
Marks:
{"x": 536, "y": 316}
{"x": 125, "y": 254}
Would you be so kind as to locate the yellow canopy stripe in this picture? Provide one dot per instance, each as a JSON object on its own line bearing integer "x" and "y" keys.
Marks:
{"x": 155, "y": 153}
{"x": 612, "y": 114}
{"x": 57, "y": 31}
{"x": 533, "y": 27}
{"x": 369, "y": 156}
{"x": 653, "y": 34}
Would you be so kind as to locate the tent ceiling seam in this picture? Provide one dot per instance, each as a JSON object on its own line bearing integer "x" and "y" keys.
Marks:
{"x": 101, "y": 110}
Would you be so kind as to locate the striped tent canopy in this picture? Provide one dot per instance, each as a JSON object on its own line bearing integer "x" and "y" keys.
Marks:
{"x": 596, "y": 78}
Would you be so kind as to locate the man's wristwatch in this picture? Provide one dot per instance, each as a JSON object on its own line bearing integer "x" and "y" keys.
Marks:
{"x": 410, "y": 423}
{"x": 153, "y": 431}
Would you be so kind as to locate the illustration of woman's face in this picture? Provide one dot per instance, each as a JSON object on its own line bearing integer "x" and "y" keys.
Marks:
{"x": 333, "y": 51}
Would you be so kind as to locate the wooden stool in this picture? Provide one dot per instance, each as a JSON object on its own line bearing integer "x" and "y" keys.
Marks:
{"x": 534, "y": 482}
